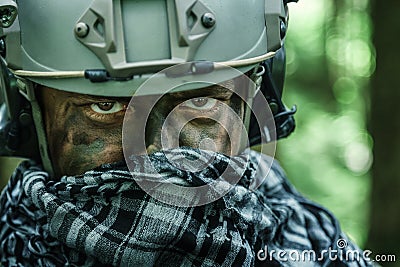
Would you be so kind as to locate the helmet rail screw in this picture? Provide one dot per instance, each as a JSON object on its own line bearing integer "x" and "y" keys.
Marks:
{"x": 208, "y": 20}
{"x": 81, "y": 30}
{"x": 274, "y": 108}
{"x": 283, "y": 29}
{"x": 25, "y": 118}
{"x": 7, "y": 15}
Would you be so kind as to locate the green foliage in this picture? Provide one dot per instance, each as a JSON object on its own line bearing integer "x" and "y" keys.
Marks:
{"x": 330, "y": 58}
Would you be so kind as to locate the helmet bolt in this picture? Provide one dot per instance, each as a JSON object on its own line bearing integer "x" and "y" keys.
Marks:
{"x": 208, "y": 20}
{"x": 274, "y": 107}
{"x": 7, "y": 16}
{"x": 81, "y": 30}
{"x": 25, "y": 118}
{"x": 283, "y": 29}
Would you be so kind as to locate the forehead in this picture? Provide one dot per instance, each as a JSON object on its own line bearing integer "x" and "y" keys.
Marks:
{"x": 216, "y": 90}
{"x": 222, "y": 90}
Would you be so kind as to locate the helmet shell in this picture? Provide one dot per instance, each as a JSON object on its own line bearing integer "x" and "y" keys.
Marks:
{"x": 133, "y": 39}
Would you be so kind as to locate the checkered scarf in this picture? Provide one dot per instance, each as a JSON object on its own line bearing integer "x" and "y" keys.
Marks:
{"x": 103, "y": 218}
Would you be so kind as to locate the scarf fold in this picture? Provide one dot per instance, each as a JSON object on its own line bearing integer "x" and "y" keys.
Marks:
{"x": 104, "y": 218}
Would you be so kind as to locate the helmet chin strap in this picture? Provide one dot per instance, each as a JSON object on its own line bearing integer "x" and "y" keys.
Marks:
{"x": 256, "y": 78}
{"x": 27, "y": 90}
{"x": 17, "y": 131}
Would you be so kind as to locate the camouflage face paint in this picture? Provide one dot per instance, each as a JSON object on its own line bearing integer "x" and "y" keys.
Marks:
{"x": 86, "y": 131}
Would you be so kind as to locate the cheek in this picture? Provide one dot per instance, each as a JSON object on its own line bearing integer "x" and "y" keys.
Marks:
{"x": 79, "y": 146}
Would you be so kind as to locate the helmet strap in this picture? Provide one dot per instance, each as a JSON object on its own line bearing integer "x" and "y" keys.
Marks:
{"x": 27, "y": 89}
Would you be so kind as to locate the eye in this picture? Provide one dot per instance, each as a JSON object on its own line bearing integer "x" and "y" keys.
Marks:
{"x": 200, "y": 103}
{"x": 107, "y": 107}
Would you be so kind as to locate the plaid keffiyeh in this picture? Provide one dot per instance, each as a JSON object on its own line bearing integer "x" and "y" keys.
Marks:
{"x": 103, "y": 218}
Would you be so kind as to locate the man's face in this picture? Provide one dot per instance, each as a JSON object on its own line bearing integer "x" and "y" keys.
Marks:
{"x": 85, "y": 131}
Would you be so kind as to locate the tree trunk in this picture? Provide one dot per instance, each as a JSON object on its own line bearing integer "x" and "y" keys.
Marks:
{"x": 384, "y": 235}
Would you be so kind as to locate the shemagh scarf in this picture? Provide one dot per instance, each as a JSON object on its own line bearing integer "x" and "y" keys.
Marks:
{"x": 103, "y": 218}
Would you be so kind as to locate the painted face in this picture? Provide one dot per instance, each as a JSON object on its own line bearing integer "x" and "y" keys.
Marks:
{"x": 85, "y": 131}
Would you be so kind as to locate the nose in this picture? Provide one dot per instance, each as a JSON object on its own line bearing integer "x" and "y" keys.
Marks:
{"x": 153, "y": 133}
{"x": 163, "y": 128}
{"x": 142, "y": 126}
{"x": 154, "y": 129}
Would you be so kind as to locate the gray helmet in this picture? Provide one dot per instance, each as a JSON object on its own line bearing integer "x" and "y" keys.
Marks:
{"x": 111, "y": 47}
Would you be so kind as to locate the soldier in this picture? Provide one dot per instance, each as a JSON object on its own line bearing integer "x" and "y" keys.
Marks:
{"x": 138, "y": 118}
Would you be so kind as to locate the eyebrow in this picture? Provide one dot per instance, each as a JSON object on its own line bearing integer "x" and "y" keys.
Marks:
{"x": 216, "y": 91}
{"x": 213, "y": 91}
{"x": 99, "y": 98}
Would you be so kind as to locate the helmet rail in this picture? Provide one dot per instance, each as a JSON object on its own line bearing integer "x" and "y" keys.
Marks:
{"x": 90, "y": 73}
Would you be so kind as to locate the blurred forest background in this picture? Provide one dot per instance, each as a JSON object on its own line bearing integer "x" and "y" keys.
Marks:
{"x": 330, "y": 59}
{"x": 341, "y": 71}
